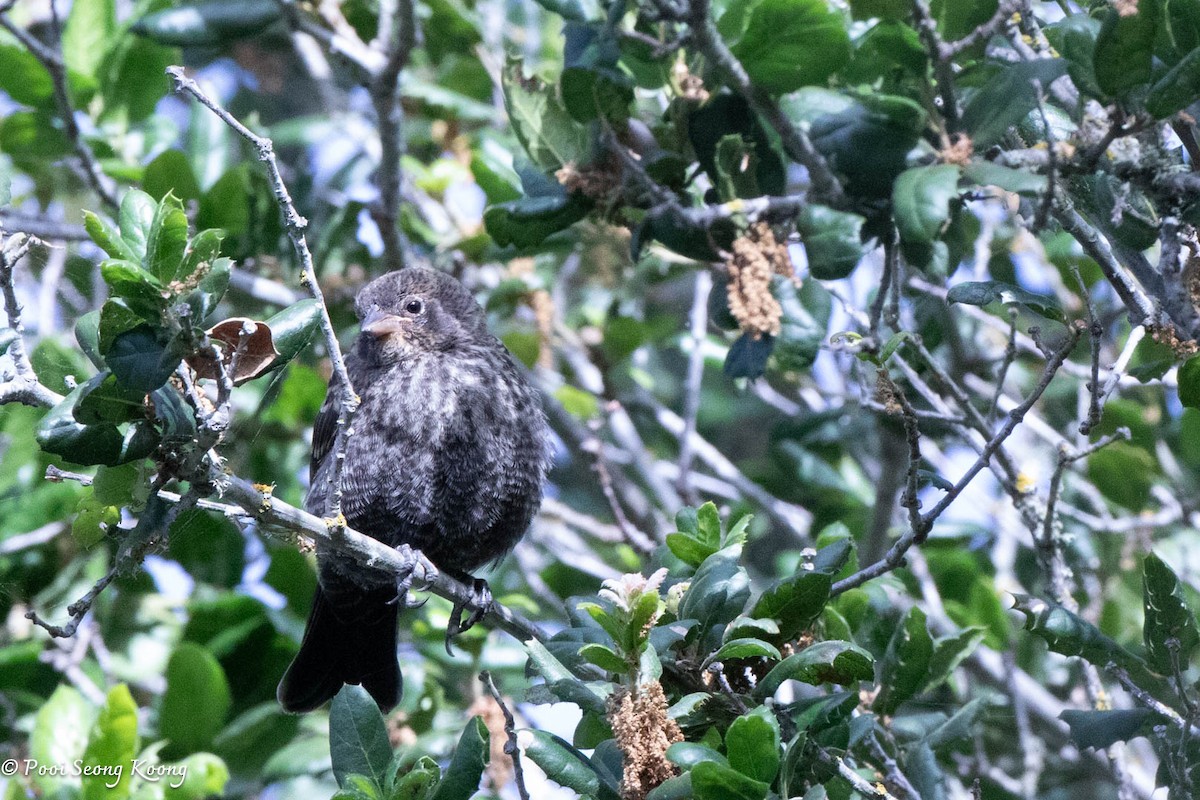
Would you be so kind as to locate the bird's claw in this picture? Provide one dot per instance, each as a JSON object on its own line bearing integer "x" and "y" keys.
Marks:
{"x": 481, "y": 603}
{"x": 404, "y": 583}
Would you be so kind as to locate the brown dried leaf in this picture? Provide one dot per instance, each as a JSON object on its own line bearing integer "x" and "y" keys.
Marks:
{"x": 257, "y": 355}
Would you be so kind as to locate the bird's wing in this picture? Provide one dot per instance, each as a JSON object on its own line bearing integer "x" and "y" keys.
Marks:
{"x": 325, "y": 425}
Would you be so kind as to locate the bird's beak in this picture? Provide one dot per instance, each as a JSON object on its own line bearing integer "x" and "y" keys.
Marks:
{"x": 379, "y": 324}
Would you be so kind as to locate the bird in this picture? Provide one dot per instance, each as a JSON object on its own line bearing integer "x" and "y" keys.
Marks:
{"x": 448, "y": 455}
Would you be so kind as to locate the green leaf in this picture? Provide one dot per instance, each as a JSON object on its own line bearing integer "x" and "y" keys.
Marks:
{"x": 842, "y": 663}
{"x": 1176, "y": 90}
{"x": 905, "y": 667}
{"x": 59, "y": 433}
{"x": 1125, "y": 47}
{"x": 866, "y": 138}
{"x": 32, "y": 135}
{"x": 87, "y": 33}
{"x": 87, "y": 334}
{"x": 531, "y": 220}
{"x": 984, "y": 293}
{"x": 921, "y": 201}
{"x": 989, "y": 173}
{"x": 883, "y": 9}
{"x": 792, "y": 43}
{"x": 293, "y": 328}
{"x": 140, "y": 361}
{"x": 171, "y": 173}
{"x": 204, "y": 776}
{"x": 1170, "y": 631}
{"x": 1075, "y": 38}
{"x": 687, "y": 549}
{"x": 104, "y": 401}
{"x": 60, "y": 732}
{"x": 202, "y": 253}
{"x": 1069, "y": 634}
{"x": 688, "y": 754}
{"x": 752, "y": 744}
{"x": 203, "y": 301}
{"x": 562, "y": 763}
{"x": 23, "y": 77}
{"x": 718, "y": 592}
{"x": 1124, "y": 473}
{"x": 541, "y": 124}
{"x": 114, "y": 319}
{"x": 208, "y": 22}
{"x": 167, "y": 239}
{"x": 196, "y": 702}
{"x": 795, "y": 601}
{"x": 960, "y": 725}
{"x": 113, "y": 743}
{"x": 461, "y": 780}
{"x": 107, "y": 237}
{"x": 1007, "y": 98}
{"x": 950, "y": 651}
{"x": 1102, "y": 729}
{"x": 93, "y": 520}
{"x": 604, "y": 658}
{"x": 713, "y": 781}
{"x": 744, "y": 648}
{"x": 136, "y": 220}
{"x": 141, "y": 291}
{"x": 358, "y": 740}
{"x": 736, "y": 166}
{"x": 832, "y": 241}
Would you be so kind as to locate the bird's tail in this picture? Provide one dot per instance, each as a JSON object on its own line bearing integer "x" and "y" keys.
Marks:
{"x": 345, "y": 642}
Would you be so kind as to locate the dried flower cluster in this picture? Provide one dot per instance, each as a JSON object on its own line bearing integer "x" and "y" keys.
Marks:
{"x": 755, "y": 258}
{"x": 691, "y": 87}
{"x": 643, "y": 731}
{"x": 958, "y": 150}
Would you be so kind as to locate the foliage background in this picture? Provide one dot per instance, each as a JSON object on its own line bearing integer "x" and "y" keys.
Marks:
{"x": 990, "y": 211}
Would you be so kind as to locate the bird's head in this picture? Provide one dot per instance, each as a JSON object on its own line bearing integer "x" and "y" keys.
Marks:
{"x": 415, "y": 311}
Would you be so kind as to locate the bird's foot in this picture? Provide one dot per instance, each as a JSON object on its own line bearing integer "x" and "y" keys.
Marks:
{"x": 480, "y": 603}
{"x": 421, "y": 571}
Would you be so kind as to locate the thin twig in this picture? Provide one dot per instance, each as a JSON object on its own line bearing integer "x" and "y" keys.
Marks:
{"x": 77, "y": 610}
{"x": 511, "y": 749}
{"x": 295, "y": 225}
{"x": 397, "y": 38}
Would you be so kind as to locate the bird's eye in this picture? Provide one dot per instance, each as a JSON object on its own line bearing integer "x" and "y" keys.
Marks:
{"x": 414, "y": 305}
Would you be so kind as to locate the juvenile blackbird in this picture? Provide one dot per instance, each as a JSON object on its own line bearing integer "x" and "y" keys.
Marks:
{"x": 449, "y": 450}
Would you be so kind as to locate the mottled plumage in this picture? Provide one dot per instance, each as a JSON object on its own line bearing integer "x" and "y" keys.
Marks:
{"x": 448, "y": 456}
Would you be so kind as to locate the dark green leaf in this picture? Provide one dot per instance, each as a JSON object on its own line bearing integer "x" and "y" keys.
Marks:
{"x": 141, "y": 291}
{"x": 1170, "y": 631}
{"x": 744, "y": 648}
{"x": 795, "y": 602}
{"x": 529, "y": 221}
{"x": 1124, "y": 48}
{"x": 293, "y": 328}
{"x": 461, "y": 780}
{"x": 736, "y": 166}
{"x": 140, "y": 361}
{"x": 752, "y": 744}
{"x": 170, "y": 173}
{"x": 604, "y": 658}
{"x": 824, "y": 662}
{"x": 688, "y": 754}
{"x": 60, "y": 434}
{"x": 1075, "y": 38}
{"x": 1124, "y": 473}
{"x": 1176, "y": 90}
{"x": 104, "y": 401}
{"x": 204, "y": 299}
{"x": 87, "y": 334}
{"x": 988, "y": 173}
{"x": 921, "y": 201}
{"x": 905, "y": 667}
{"x": 358, "y": 739}
{"x": 208, "y": 22}
{"x": 549, "y": 135}
{"x": 713, "y": 781}
{"x": 792, "y": 43}
{"x": 1101, "y": 729}
{"x": 950, "y": 651}
{"x": 195, "y": 703}
{"x": 562, "y": 763}
{"x": 984, "y": 293}
{"x": 1007, "y": 98}
{"x": 718, "y": 592}
{"x": 832, "y": 241}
